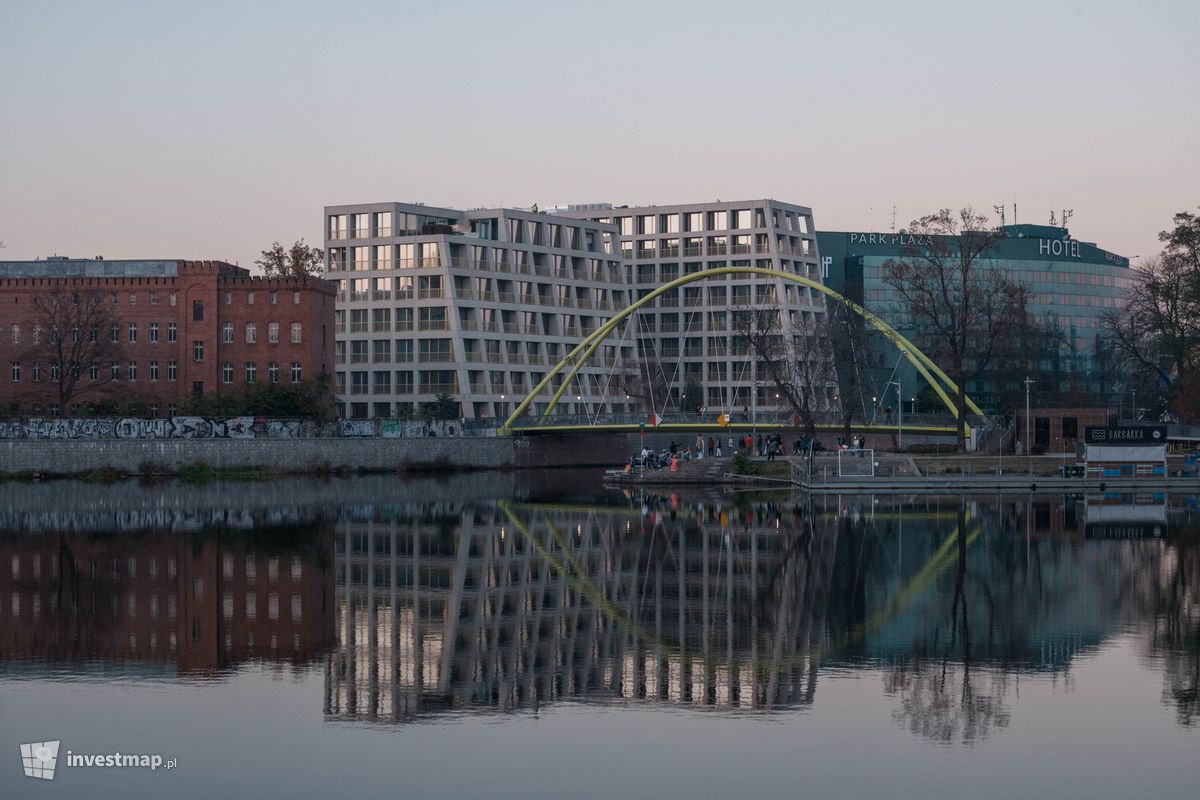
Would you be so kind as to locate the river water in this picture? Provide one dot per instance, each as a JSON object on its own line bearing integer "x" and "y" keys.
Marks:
{"x": 536, "y": 635}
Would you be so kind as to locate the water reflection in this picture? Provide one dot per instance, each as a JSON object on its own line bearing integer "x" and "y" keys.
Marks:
{"x": 203, "y": 592}
{"x": 741, "y": 606}
{"x": 418, "y": 609}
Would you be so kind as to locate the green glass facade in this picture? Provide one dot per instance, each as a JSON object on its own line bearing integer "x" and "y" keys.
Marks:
{"x": 1072, "y": 283}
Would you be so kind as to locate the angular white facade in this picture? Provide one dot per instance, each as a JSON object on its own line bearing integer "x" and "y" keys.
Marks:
{"x": 688, "y": 334}
{"x": 475, "y": 304}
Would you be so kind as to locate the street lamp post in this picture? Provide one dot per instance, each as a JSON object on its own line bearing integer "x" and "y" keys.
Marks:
{"x": 753, "y": 416}
{"x": 1028, "y": 447}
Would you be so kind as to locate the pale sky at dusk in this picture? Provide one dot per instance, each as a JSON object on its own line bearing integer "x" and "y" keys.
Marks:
{"x": 208, "y": 130}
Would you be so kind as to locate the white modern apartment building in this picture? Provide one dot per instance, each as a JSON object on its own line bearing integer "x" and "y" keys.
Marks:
{"x": 687, "y": 335}
{"x": 476, "y": 304}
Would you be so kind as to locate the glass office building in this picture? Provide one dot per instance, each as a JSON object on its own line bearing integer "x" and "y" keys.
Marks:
{"x": 1072, "y": 283}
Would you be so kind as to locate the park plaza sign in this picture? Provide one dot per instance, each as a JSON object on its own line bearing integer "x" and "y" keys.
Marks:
{"x": 1046, "y": 247}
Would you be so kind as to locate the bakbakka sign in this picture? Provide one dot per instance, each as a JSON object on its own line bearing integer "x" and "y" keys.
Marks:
{"x": 1131, "y": 434}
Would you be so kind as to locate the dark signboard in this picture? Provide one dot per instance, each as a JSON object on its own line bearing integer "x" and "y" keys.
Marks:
{"x": 1126, "y": 434}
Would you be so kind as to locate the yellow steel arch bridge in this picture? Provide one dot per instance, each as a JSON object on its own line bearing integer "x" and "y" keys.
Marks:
{"x": 941, "y": 383}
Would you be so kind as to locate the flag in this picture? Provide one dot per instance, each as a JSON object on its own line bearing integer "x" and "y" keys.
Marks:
{"x": 654, "y": 420}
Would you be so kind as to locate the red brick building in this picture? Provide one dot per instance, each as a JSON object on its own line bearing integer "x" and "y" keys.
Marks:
{"x": 184, "y": 327}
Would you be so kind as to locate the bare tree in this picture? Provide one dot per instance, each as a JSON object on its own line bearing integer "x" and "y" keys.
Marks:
{"x": 797, "y": 359}
{"x": 298, "y": 261}
{"x": 74, "y": 339}
{"x": 961, "y": 307}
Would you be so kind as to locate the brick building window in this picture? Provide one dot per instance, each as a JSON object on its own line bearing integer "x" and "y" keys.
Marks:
{"x": 35, "y": 372}
{"x": 171, "y": 303}
{"x": 249, "y": 298}
{"x": 172, "y": 331}
{"x": 114, "y": 371}
{"x": 273, "y": 372}
{"x": 132, "y": 332}
{"x": 114, "y": 333}
{"x": 16, "y": 371}
{"x": 274, "y": 298}
{"x": 154, "y": 376}
{"x": 172, "y": 372}
{"x": 153, "y": 332}
{"x": 251, "y": 333}
{"x": 227, "y": 333}
{"x": 295, "y": 298}
{"x": 273, "y": 332}
{"x": 251, "y": 372}
{"x": 37, "y": 334}
{"x": 133, "y": 370}
{"x": 94, "y": 371}
{"x": 197, "y": 351}
{"x": 133, "y": 298}
{"x": 197, "y": 311}
{"x": 154, "y": 298}
{"x": 296, "y": 376}
{"x": 229, "y": 298}
{"x": 227, "y": 372}
{"x": 16, "y": 333}
{"x": 297, "y": 332}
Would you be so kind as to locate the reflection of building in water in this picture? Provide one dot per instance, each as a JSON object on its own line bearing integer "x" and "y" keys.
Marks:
{"x": 204, "y": 601}
{"x": 469, "y": 609}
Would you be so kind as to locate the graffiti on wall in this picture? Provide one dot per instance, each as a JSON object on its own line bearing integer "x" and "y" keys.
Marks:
{"x": 173, "y": 428}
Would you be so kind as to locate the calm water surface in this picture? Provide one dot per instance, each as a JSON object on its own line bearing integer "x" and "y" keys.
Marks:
{"x": 537, "y": 636}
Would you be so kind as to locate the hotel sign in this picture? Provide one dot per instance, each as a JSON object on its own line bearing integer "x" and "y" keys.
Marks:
{"x": 1058, "y": 247}
{"x": 1127, "y": 434}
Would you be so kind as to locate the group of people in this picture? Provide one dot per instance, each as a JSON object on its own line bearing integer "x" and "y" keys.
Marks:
{"x": 856, "y": 444}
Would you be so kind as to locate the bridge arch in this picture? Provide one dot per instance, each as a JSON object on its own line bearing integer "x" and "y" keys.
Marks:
{"x": 578, "y": 356}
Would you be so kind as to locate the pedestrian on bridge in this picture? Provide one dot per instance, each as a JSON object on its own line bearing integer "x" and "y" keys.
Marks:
{"x": 699, "y": 446}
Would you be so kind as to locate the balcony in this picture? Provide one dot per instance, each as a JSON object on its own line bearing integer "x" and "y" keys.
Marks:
{"x": 404, "y": 325}
{"x": 358, "y": 358}
{"x": 740, "y": 249}
{"x": 669, "y": 252}
{"x": 382, "y": 295}
{"x": 358, "y": 327}
{"x": 358, "y": 297}
{"x": 717, "y": 249}
{"x": 506, "y": 297}
{"x": 693, "y": 352}
{"x": 437, "y": 388}
{"x": 433, "y": 358}
{"x": 646, "y": 254}
{"x": 339, "y": 328}
{"x": 337, "y": 235}
{"x": 381, "y": 389}
{"x": 693, "y": 250}
{"x": 433, "y": 325}
{"x": 429, "y": 294}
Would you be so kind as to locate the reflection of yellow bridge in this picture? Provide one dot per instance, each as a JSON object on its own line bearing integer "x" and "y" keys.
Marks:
{"x": 925, "y": 367}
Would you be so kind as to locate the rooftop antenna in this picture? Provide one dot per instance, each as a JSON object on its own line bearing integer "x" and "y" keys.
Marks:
{"x": 1053, "y": 222}
{"x": 893, "y": 217}
{"x": 1000, "y": 210}
{"x": 1014, "y": 213}
{"x": 1067, "y": 213}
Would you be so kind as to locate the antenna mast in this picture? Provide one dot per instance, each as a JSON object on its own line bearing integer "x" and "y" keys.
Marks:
{"x": 1067, "y": 213}
{"x": 1000, "y": 210}
{"x": 893, "y": 217}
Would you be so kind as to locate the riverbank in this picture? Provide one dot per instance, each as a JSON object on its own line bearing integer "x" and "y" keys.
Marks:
{"x": 207, "y": 459}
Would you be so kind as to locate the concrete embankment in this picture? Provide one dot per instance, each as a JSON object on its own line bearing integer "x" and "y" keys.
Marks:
{"x": 81, "y": 456}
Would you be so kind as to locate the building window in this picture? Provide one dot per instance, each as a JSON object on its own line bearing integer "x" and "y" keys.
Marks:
{"x": 132, "y": 332}
{"x": 172, "y": 373}
{"x": 114, "y": 333}
{"x": 249, "y": 298}
{"x": 154, "y": 298}
{"x": 153, "y": 332}
{"x": 94, "y": 371}
{"x": 133, "y": 370}
{"x": 295, "y": 298}
{"x": 16, "y": 333}
{"x": 273, "y": 298}
{"x": 112, "y": 297}
{"x": 229, "y": 298}
{"x": 251, "y": 333}
{"x": 197, "y": 351}
{"x": 273, "y": 372}
{"x": 133, "y": 298}
{"x": 154, "y": 374}
{"x": 251, "y": 372}
{"x": 172, "y": 329}
{"x": 227, "y": 372}
{"x": 227, "y": 333}
{"x": 16, "y": 371}
{"x": 37, "y": 334}
{"x": 153, "y": 412}
{"x": 297, "y": 331}
{"x": 92, "y": 334}
{"x": 171, "y": 299}
{"x": 114, "y": 371}
{"x": 296, "y": 372}
{"x": 273, "y": 332}
{"x": 170, "y": 409}
{"x": 197, "y": 311}
{"x": 36, "y": 372}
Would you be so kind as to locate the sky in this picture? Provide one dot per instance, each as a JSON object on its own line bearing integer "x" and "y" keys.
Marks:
{"x": 210, "y": 130}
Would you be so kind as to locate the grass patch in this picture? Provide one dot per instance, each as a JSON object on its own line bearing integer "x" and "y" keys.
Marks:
{"x": 198, "y": 472}
{"x": 105, "y": 474}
